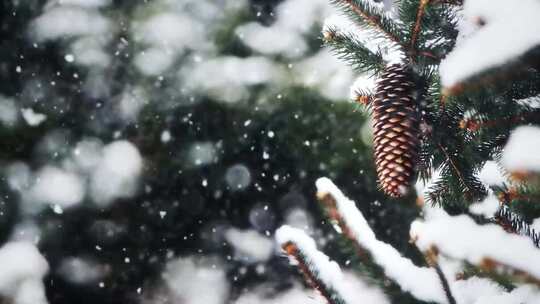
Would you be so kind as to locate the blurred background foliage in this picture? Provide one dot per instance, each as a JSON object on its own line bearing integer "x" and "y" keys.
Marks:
{"x": 143, "y": 140}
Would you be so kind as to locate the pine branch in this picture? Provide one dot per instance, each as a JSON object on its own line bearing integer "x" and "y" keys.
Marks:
{"x": 450, "y": 2}
{"x": 498, "y": 76}
{"x": 396, "y": 267}
{"x": 475, "y": 244}
{"x": 432, "y": 260}
{"x": 417, "y": 25}
{"x": 363, "y": 97}
{"x": 479, "y": 122}
{"x": 320, "y": 273}
{"x": 513, "y": 223}
{"x": 348, "y": 48}
{"x": 366, "y": 13}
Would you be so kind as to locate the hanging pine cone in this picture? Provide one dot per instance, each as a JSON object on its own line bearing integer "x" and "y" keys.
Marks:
{"x": 396, "y": 130}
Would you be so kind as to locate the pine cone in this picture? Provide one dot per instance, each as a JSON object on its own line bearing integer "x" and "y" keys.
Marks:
{"x": 396, "y": 130}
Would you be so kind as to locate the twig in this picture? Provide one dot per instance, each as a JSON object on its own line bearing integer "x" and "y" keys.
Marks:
{"x": 456, "y": 169}
{"x": 331, "y": 206}
{"x": 311, "y": 278}
{"x": 431, "y": 258}
{"x": 493, "y": 266}
{"x": 451, "y": 2}
{"x": 373, "y": 20}
{"x": 513, "y": 223}
{"x": 418, "y": 23}
{"x": 474, "y": 125}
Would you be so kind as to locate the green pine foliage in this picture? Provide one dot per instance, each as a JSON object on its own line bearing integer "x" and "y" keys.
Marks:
{"x": 426, "y": 33}
{"x": 462, "y": 127}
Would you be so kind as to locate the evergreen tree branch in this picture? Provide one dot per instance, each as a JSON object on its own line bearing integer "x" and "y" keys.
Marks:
{"x": 330, "y": 205}
{"x": 477, "y": 123}
{"x": 497, "y": 77}
{"x": 471, "y": 242}
{"x": 309, "y": 273}
{"x": 396, "y": 267}
{"x": 349, "y": 49}
{"x": 513, "y": 223}
{"x": 454, "y": 167}
{"x": 320, "y": 273}
{"x": 431, "y": 258}
{"x": 417, "y": 25}
{"x": 367, "y": 14}
{"x": 451, "y": 2}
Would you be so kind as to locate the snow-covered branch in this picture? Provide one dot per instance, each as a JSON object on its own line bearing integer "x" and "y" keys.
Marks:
{"x": 487, "y": 245}
{"x": 320, "y": 272}
{"x": 22, "y": 269}
{"x": 502, "y": 35}
{"x": 421, "y": 282}
{"x": 445, "y": 249}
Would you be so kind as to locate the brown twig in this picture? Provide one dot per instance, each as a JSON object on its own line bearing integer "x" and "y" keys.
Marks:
{"x": 418, "y": 23}
{"x": 373, "y": 20}
{"x": 493, "y": 266}
{"x": 329, "y": 202}
{"x": 432, "y": 256}
{"x": 454, "y": 166}
{"x": 474, "y": 125}
{"x": 292, "y": 250}
{"x": 451, "y": 2}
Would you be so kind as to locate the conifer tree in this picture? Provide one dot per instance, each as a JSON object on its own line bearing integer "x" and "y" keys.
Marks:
{"x": 454, "y": 103}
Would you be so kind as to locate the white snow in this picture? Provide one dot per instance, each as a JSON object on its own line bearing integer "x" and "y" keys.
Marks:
{"x": 85, "y": 3}
{"x": 78, "y": 270}
{"x": 362, "y": 84}
{"x": 328, "y": 271}
{"x": 131, "y": 103}
{"x": 227, "y": 77}
{"x": 509, "y": 32}
{"x": 23, "y": 269}
{"x": 58, "y": 187}
{"x": 154, "y": 61}
{"x": 117, "y": 172}
{"x": 87, "y": 154}
{"x": 202, "y": 153}
{"x": 519, "y": 154}
{"x": 89, "y": 52}
{"x": 351, "y": 288}
{"x": 32, "y": 118}
{"x": 343, "y": 25}
{"x": 195, "y": 281}
{"x": 488, "y": 207}
{"x": 272, "y": 40}
{"x": 62, "y": 22}
{"x": 296, "y": 295}
{"x": 9, "y": 113}
{"x": 356, "y": 290}
{"x": 421, "y": 282}
{"x": 491, "y": 174}
{"x": 249, "y": 246}
{"x": 322, "y": 71}
{"x": 473, "y": 243}
{"x": 465, "y": 241}
{"x": 165, "y": 136}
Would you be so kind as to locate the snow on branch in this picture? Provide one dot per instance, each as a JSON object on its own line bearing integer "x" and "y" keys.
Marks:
{"x": 514, "y": 223}
{"x": 518, "y": 157}
{"x": 372, "y": 14}
{"x": 504, "y": 38}
{"x": 459, "y": 237}
{"x": 423, "y": 283}
{"x": 341, "y": 26}
{"x": 320, "y": 272}
{"x": 22, "y": 269}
